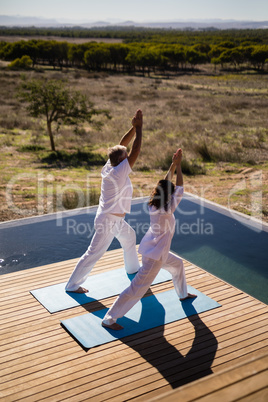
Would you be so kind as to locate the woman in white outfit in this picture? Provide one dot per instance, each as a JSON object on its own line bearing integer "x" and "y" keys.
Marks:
{"x": 155, "y": 247}
{"x": 115, "y": 202}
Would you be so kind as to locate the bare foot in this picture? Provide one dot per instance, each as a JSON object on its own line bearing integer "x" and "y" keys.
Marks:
{"x": 114, "y": 326}
{"x": 190, "y": 296}
{"x": 79, "y": 290}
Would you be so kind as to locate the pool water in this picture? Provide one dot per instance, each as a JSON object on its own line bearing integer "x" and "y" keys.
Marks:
{"x": 226, "y": 244}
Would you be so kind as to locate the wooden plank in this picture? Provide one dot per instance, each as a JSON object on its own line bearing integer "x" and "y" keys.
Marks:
{"x": 47, "y": 279}
{"x": 245, "y": 387}
{"x": 39, "y": 333}
{"x": 222, "y": 313}
{"x": 47, "y": 357}
{"x": 157, "y": 391}
{"x": 46, "y": 363}
{"x": 49, "y": 328}
{"x": 51, "y": 372}
{"x": 208, "y": 385}
{"x": 259, "y": 396}
{"x": 34, "y": 391}
{"x": 50, "y": 360}
{"x": 219, "y": 319}
{"x": 136, "y": 383}
{"x": 20, "y": 337}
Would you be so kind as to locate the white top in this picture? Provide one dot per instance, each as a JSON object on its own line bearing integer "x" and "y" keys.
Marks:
{"x": 116, "y": 188}
{"x": 156, "y": 242}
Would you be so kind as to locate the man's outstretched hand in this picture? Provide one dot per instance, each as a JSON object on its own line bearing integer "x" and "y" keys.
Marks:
{"x": 137, "y": 119}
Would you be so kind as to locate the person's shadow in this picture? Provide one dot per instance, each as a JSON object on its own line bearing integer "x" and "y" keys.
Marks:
{"x": 176, "y": 367}
{"x": 173, "y": 365}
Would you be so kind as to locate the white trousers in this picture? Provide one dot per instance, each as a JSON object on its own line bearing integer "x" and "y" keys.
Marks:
{"x": 141, "y": 283}
{"x": 107, "y": 226}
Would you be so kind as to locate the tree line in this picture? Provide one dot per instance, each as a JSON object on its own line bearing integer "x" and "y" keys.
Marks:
{"x": 131, "y": 57}
{"x": 188, "y": 36}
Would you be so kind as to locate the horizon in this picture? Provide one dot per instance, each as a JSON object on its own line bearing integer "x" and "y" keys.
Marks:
{"x": 113, "y": 20}
{"x": 84, "y": 11}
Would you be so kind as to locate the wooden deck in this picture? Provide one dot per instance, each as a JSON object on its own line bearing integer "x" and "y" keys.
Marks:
{"x": 219, "y": 355}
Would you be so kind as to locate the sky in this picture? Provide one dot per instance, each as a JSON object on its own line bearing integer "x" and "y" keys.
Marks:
{"x": 137, "y": 10}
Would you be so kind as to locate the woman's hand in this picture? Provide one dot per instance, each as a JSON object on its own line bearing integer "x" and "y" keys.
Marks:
{"x": 177, "y": 157}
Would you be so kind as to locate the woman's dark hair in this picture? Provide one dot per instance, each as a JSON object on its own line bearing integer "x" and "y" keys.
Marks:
{"x": 161, "y": 194}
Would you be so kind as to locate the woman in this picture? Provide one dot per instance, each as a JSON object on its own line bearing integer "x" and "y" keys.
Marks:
{"x": 155, "y": 247}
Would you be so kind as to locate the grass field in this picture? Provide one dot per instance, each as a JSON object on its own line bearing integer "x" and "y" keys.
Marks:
{"x": 219, "y": 120}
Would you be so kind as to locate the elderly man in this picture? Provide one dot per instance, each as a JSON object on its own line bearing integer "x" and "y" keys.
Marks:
{"x": 114, "y": 203}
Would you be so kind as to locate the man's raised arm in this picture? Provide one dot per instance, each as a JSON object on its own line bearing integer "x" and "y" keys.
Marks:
{"x": 136, "y": 147}
{"x": 125, "y": 140}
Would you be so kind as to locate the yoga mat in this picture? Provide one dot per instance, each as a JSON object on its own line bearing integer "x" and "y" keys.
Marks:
{"x": 54, "y": 298}
{"x": 152, "y": 311}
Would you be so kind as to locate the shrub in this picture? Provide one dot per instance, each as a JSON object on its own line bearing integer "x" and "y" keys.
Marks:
{"x": 70, "y": 199}
{"x": 24, "y": 63}
{"x": 204, "y": 152}
{"x": 144, "y": 168}
{"x": 184, "y": 87}
{"x": 76, "y": 159}
{"x": 218, "y": 153}
{"x": 31, "y": 148}
{"x": 192, "y": 168}
{"x": 165, "y": 163}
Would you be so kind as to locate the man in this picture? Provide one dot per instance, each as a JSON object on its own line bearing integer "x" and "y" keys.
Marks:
{"x": 115, "y": 202}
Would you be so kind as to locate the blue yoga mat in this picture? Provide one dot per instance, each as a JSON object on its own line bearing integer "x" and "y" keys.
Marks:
{"x": 152, "y": 311}
{"x": 54, "y": 298}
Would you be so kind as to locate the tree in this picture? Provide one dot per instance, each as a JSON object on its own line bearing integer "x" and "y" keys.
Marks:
{"x": 97, "y": 56}
{"x": 76, "y": 54}
{"x": 175, "y": 55}
{"x": 202, "y": 48}
{"x": 57, "y": 103}
{"x": 193, "y": 57}
{"x": 118, "y": 54}
{"x": 259, "y": 56}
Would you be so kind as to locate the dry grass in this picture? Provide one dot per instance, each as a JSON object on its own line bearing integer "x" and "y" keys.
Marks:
{"x": 219, "y": 121}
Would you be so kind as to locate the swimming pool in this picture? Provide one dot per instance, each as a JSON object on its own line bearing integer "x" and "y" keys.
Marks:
{"x": 227, "y": 244}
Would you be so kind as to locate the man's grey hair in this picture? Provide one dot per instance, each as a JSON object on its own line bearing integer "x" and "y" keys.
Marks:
{"x": 115, "y": 153}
